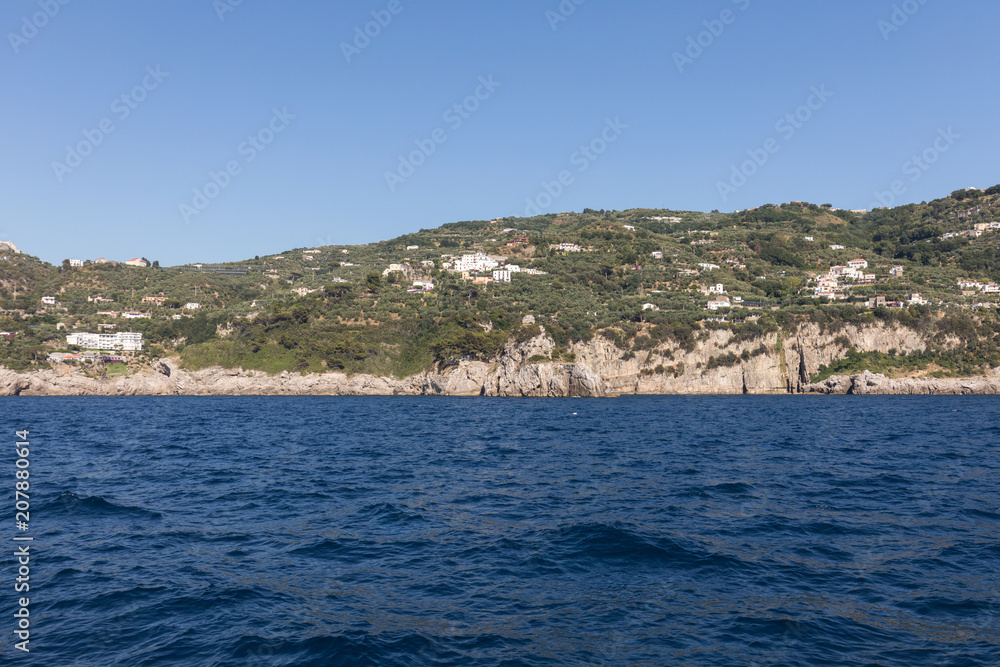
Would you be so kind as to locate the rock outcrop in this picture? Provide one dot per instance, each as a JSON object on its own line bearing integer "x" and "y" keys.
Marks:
{"x": 876, "y": 383}
{"x": 718, "y": 364}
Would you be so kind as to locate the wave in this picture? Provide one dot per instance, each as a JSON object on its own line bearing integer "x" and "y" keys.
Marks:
{"x": 70, "y": 504}
{"x": 588, "y": 543}
{"x": 387, "y": 513}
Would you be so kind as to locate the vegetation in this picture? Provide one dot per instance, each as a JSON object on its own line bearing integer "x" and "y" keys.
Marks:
{"x": 640, "y": 284}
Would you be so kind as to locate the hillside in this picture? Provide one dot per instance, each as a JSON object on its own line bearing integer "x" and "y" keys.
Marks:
{"x": 643, "y": 281}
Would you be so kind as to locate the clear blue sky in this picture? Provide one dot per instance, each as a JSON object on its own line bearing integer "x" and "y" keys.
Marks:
{"x": 678, "y": 133}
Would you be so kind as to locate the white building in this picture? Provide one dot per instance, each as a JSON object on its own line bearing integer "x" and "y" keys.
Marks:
{"x": 657, "y": 254}
{"x": 191, "y": 305}
{"x": 49, "y": 300}
{"x": 135, "y": 315}
{"x": 123, "y": 340}
{"x": 716, "y": 289}
{"x": 137, "y": 262}
{"x": 413, "y": 247}
{"x": 476, "y": 262}
{"x": 704, "y": 266}
{"x": 858, "y": 264}
{"x": 719, "y": 302}
{"x": 76, "y": 262}
{"x": 501, "y": 276}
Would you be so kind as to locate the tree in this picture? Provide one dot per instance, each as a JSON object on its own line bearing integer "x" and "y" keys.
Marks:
{"x": 156, "y": 264}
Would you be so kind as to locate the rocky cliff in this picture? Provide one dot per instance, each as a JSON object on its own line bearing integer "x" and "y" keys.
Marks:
{"x": 876, "y": 383}
{"x": 774, "y": 364}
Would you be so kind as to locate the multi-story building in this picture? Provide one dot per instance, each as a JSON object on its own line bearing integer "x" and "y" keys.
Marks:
{"x": 474, "y": 263}
{"x": 394, "y": 268}
{"x": 126, "y": 341}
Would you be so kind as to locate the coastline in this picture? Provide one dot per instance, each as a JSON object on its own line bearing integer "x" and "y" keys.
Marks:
{"x": 542, "y": 380}
{"x": 719, "y": 364}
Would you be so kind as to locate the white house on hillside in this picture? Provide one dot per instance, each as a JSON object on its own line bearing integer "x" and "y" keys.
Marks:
{"x": 123, "y": 340}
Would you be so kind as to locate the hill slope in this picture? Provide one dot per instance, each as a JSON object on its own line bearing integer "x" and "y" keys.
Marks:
{"x": 640, "y": 280}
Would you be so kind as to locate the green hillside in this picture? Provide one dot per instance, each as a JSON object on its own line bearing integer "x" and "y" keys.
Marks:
{"x": 640, "y": 277}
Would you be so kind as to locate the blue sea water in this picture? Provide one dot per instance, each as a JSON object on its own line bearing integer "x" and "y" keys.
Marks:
{"x": 439, "y": 531}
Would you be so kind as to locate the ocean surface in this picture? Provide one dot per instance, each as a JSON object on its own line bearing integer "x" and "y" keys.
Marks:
{"x": 441, "y": 531}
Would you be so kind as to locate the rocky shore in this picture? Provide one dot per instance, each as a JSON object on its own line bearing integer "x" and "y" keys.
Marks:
{"x": 769, "y": 365}
{"x": 876, "y": 383}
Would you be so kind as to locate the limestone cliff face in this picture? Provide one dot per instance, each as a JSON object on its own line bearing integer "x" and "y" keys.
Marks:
{"x": 876, "y": 383}
{"x": 769, "y": 365}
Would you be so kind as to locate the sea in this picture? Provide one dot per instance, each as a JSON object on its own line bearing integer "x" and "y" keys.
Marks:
{"x": 383, "y": 531}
